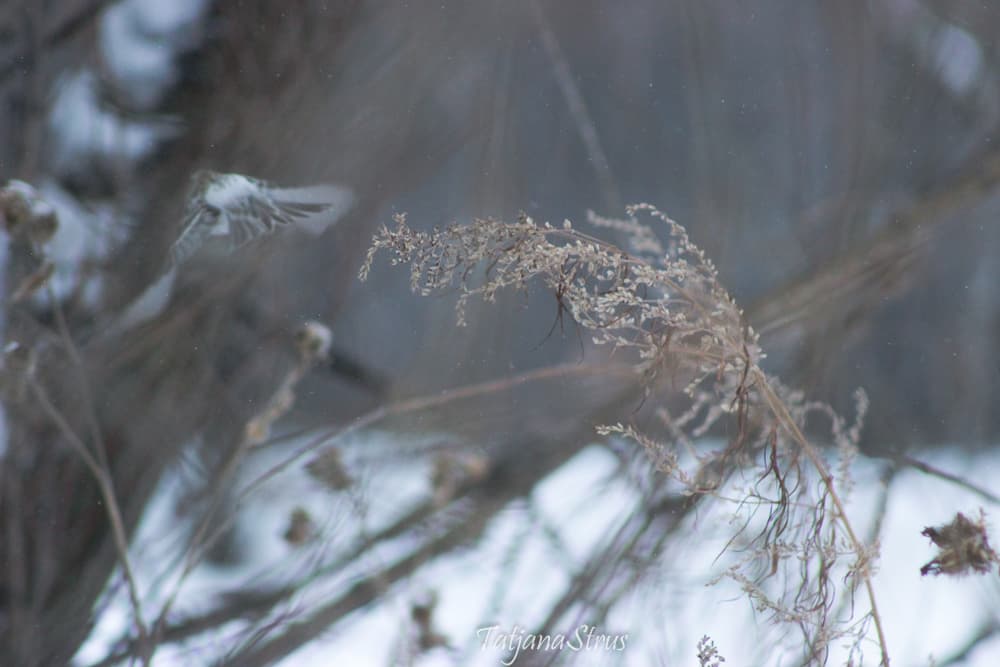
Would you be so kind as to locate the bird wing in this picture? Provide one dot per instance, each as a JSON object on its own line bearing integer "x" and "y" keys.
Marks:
{"x": 198, "y": 225}
{"x": 313, "y": 208}
{"x": 257, "y": 215}
{"x": 252, "y": 213}
{"x": 251, "y": 218}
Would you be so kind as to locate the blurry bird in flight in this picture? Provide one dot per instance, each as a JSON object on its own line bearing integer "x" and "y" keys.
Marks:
{"x": 236, "y": 209}
{"x": 227, "y": 211}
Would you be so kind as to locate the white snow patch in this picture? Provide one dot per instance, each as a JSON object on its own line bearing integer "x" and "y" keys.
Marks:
{"x": 82, "y": 130}
{"x": 85, "y": 236}
{"x": 513, "y": 573}
{"x": 140, "y": 40}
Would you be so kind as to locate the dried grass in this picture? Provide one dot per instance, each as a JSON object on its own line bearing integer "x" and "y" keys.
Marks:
{"x": 661, "y": 302}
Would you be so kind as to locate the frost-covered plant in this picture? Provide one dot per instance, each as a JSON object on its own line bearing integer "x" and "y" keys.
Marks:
{"x": 662, "y": 301}
{"x": 708, "y": 654}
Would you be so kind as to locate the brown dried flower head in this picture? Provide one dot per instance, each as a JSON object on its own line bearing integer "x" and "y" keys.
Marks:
{"x": 963, "y": 546}
{"x": 328, "y": 468}
{"x": 24, "y": 213}
{"x": 301, "y": 528}
{"x": 313, "y": 340}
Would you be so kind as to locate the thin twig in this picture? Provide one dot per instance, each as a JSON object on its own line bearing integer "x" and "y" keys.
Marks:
{"x": 893, "y": 250}
{"x": 443, "y": 398}
{"x": 910, "y": 462}
{"x": 106, "y": 487}
{"x": 880, "y": 512}
{"x": 83, "y": 379}
{"x": 585, "y": 125}
{"x": 65, "y": 24}
{"x": 254, "y": 433}
{"x": 205, "y": 539}
{"x": 99, "y": 465}
{"x": 989, "y": 629}
{"x": 780, "y": 411}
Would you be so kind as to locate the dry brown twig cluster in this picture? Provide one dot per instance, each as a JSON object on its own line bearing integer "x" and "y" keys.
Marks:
{"x": 963, "y": 546}
{"x": 663, "y": 302}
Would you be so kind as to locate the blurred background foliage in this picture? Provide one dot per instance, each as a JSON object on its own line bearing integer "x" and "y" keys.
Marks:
{"x": 838, "y": 161}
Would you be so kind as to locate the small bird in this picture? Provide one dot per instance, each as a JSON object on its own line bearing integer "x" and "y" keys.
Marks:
{"x": 237, "y": 209}
{"x": 233, "y": 210}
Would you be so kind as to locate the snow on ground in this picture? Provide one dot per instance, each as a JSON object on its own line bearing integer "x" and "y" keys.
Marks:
{"x": 526, "y": 556}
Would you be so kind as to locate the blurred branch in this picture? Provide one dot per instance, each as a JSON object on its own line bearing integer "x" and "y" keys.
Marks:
{"x": 366, "y": 377}
{"x": 910, "y": 462}
{"x": 68, "y": 19}
{"x": 313, "y": 344}
{"x": 845, "y": 283}
{"x": 445, "y": 397}
{"x": 988, "y": 630}
{"x": 510, "y": 478}
{"x": 628, "y": 550}
{"x": 585, "y": 125}
{"x": 240, "y": 603}
{"x": 297, "y": 634}
{"x": 103, "y": 478}
{"x": 99, "y": 466}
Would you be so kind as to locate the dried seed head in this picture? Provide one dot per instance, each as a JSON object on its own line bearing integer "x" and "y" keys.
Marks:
{"x": 313, "y": 341}
{"x": 328, "y": 468}
{"x": 25, "y": 213}
{"x": 422, "y": 613}
{"x": 708, "y": 654}
{"x": 450, "y": 471}
{"x": 301, "y": 528}
{"x": 962, "y": 546}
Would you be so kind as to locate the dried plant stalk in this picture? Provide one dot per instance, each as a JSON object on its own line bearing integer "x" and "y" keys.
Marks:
{"x": 662, "y": 301}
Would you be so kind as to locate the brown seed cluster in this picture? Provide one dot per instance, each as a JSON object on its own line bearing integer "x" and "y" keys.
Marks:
{"x": 963, "y": 547}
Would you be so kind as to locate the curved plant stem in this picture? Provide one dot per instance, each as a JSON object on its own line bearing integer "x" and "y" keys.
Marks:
{"x": 781, "y": 412}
